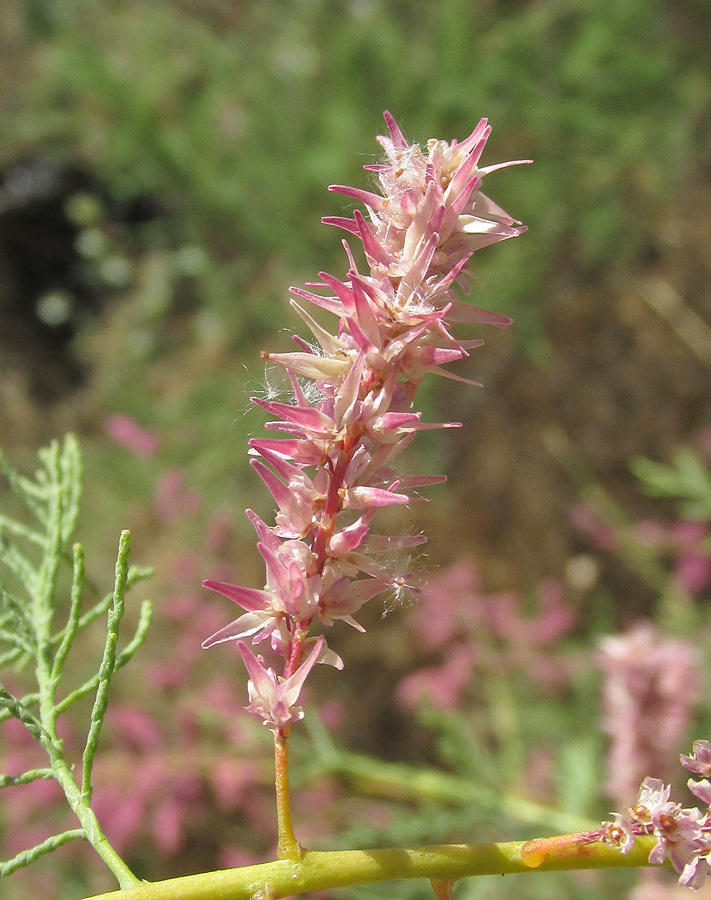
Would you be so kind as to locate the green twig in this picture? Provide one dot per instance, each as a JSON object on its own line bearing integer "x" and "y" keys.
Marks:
{"x": 31, "y": 722}
{"x": 54, "y": 500}
{"x": 27, "y": 701}
{"x": 108, "y": 663}
{"x": 29, "y": 856}
{"x": 72, "y": 625}
{"x": 20, "y": 566}
{"x": 319, "y": 871}
{"x": 20, "y": 530}
{"x": 26, "y": 777}
{"x": 71, "y": 472}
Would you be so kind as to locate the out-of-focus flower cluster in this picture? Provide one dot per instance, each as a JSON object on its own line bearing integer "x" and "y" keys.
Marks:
{"x": 350, "y": 410}
{"x": 650, "y": 687}
{"x": 683, "y": 835}
{"x": 489, "y": 634}
{"x": 683, "y": 545}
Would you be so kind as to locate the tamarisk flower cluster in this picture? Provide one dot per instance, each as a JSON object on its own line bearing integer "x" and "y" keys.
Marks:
{"x": 351, "y": 415}
{"x": 683, "y": 835}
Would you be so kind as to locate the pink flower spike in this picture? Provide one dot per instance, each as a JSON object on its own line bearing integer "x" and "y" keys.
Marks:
{"x": 351, "y": 409}
{"x": 271, "y": 699}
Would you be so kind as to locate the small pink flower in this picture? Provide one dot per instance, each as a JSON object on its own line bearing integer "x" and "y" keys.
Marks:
{"x": 653, "y": 798}
{"x": 620, "y": 832}
{"x": 700, "y": 764}
{"x": 694, "y": 873}
{"x": 683, "y": 835}
{"x": 693, "y": 570}
{"x": 701, "y": 789}
{"x": 272, "y": 699}
{"x": 260, "y": 620}
{"x": 679, "y": 836}
{"x": 440, "y": 685}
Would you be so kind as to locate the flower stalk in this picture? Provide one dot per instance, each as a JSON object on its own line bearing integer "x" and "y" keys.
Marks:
{"x": 350, "y": 414}
{"x": 288, "y": 847}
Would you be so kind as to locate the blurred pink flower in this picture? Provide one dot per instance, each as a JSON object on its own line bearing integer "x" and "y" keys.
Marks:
{"x": 441, "y": 685}
{"x": 333, "y": 714}
{"x": 454, "y": 613}
{"x": 693, "y": 570}
{"x": 126, "y": 431}
{"x": 135, "y": 727}
{"x": 587, "y": 520}
{"x": 173, "y": 499}
{"x": 650, "y": 686}
{"x": 687, "y": 544}
{"x": 231, "y": 778}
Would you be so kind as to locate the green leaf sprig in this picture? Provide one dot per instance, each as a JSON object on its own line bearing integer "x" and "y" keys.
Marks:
{"x": 31, "y": 560}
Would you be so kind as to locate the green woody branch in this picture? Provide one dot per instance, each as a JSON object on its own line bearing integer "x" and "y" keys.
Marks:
{"x": 319, "y": 871}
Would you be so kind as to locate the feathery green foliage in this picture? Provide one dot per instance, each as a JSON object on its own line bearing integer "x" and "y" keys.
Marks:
{"x": 33, "y": 559}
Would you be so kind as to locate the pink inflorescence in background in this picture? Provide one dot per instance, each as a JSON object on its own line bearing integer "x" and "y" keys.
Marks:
{"x": 651, "y": 684}
{"x": 476, "y": 633}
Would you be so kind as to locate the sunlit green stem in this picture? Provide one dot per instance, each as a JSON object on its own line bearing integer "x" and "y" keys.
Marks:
{"x": 344, "y": 868}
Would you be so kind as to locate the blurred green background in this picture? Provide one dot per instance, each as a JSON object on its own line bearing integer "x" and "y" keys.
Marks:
{"x": 178, "y": 154}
